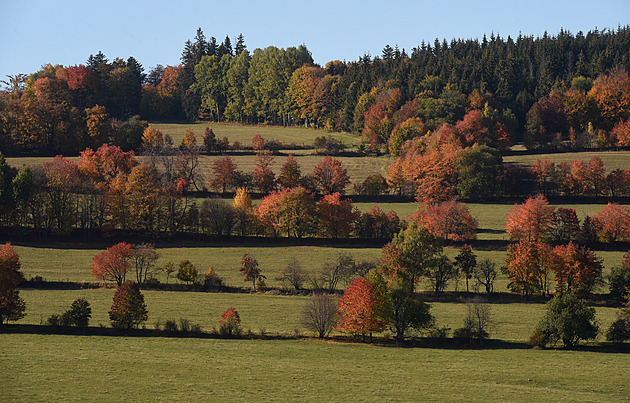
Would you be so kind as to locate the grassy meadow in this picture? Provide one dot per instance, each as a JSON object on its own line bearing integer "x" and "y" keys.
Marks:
{"x": 82, "y": 368}
{"x": 297, "y": 135}
{"x": 88, "y": 368}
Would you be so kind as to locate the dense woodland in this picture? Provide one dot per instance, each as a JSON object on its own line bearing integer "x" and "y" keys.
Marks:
{"x": 565, "y": 90}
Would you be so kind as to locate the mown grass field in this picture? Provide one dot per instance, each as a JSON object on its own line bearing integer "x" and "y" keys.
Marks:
{"x": 276, "y": 314}
{"x": 298, "y": 135}
{"x": 612, "y": 159}
{"x": 80, "y": 368}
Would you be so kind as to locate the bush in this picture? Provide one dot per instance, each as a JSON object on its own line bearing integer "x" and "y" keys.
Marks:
{"x": 569, "y": 319}
{"x": 170, "y": 326}
{"x": 212, "y": 280}
{"x": 80, "y": 312}
{"x": 477, "y": 322}
{"x": 619, "y": 330}
{"x": 230, "y": 323}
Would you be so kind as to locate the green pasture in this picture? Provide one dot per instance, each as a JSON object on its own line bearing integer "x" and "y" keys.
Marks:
{"x": 64, "y": 263}
{"x": 612, "y": 159}
{"x": 298, "y": 135}
{"x": 90, "y": 368}
{"x": 358, "y": 168}
{"x": 276, "y": 314}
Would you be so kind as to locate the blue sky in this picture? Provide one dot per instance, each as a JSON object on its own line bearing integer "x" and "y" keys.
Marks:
{"x": 66, "y": 32}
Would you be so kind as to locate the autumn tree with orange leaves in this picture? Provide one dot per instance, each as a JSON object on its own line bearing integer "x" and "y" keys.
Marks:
{"x": 531, "y": 220}
{"x": 576, "y": 268}
{"x": 357, "y": 309}
{"x": 447, "y": 220}
{"x": 336, "y": 216}
{"x": 113, "y": 263}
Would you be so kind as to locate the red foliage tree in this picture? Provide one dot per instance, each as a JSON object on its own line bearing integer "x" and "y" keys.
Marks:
{"x": 531, "y": 220}
{"x": 128, "y": 308}
{"x": 264, "y": 178}
{"x": 614, "y": 221}
{"x": 106, "y": 162}
{"x": 12, "y": 306}
{"x": 447, "y": 220}
{"x": 258, "y": 143}
{"x": 268, "y": 212}
{"x": 230, "y": 322}
{"x": 543, "y": 171}
{"x": 330, "y": 176}
{"x": 576, "y": 268}
{"x": 357, "y": 309}
{"x": 113, "y": 263}
{"x": 225, "y": 174}
{"x": 336, "y": 216}
{"x": 529, "y": 265}
{"x": 621, "y": 132}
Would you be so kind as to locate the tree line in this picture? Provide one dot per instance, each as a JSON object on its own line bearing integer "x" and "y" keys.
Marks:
{"x": 562, "y": 90}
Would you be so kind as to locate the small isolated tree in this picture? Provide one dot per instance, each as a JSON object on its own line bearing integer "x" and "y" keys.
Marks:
{"x": 250, "y": 270}
{"x": 320, "y": 314}
{"x": 80, "y": 312}
{"x": 128, "y": 308}
{"x": 569, "y": 319}
{"x": 187, "y": 272}
{"x": 230, "y": 323}
{"x": 145, "y": 257}
{"x": 441, "y": 273}
{"x": 335, "y": 273}
{"x": 477, "y": 322}
{"x": 168, "y": 269}
{"x": 485, "y": 273}
{"x": 12, "y": 306}
{"x": 330, "y": 176}
{"x": 113, "y": 263}
{"x": 357, "y": 309}
{"x": 466, "y": 261}
{"x": 293, "y": 274}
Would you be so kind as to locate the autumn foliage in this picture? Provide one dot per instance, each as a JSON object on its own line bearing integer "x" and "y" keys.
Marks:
{"x": 447, "y": 220}
{"x": 531, "y": 220}
{"x": 128, "y": 308}
{"x": 357, "y": 309}
{"x": 113, "y": 263}
{"x": 12, "y": 306}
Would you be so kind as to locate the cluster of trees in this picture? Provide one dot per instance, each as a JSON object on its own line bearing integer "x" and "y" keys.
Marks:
{"x": 62, "y": 110}
{"x": 580, "y": 178}
{"x": 563, "y": 89}
{"x": 533, "y": 263}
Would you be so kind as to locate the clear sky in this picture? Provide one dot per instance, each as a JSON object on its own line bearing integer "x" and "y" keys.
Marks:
{"x": 36, "y": 32}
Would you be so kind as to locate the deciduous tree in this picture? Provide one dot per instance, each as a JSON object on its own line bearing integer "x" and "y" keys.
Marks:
{"x": 447, "y": 220}
{"x": 531, "y": 220}
{"x": 357, "y": 309}
{"x": 330, "y": 176}
{"x": 12, "y": 306}
{"x": 336, "y": 216}
{"x": 128, "y": 308}
{"x": 320, "y": 314}
{"x": 250, "y": 270}
{"x": 113, "y": 263}
{"x": 614, "y": 221}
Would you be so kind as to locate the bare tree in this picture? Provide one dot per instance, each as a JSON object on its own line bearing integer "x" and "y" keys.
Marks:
{"x": 320, "y": 314}
{"x": 293, "y": 274}
{"x": 145, "y": 257}
{"x": 333, "y": 274}
{"x": 485, "y": 273}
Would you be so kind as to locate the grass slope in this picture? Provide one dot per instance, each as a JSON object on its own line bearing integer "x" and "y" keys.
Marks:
{"x": 75, "y": 368}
